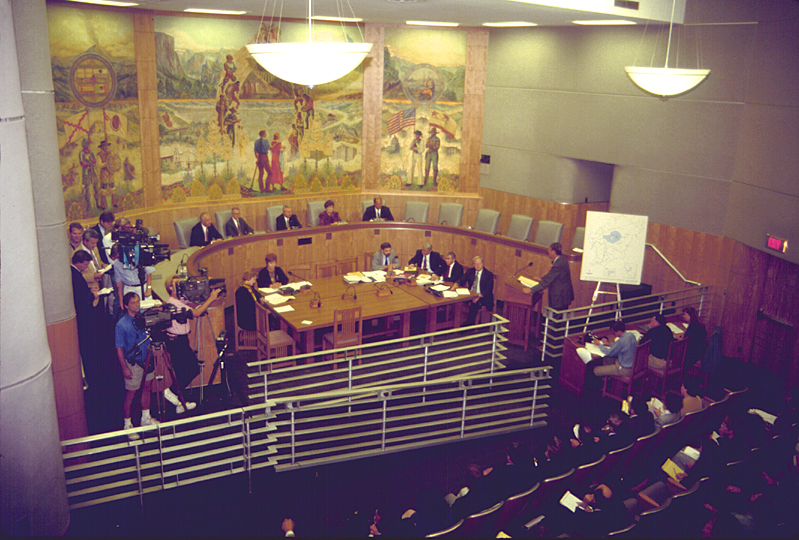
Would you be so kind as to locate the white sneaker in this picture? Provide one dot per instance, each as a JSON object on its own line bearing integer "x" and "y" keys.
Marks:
{"x": 131, "y": 436}
{"x": 149, "y": 421}
{"x": 189, "y": 405}
{"x": 171, "y": 397}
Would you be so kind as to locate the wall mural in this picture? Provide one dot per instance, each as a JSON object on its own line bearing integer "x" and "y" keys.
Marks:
{"x": 97, "y": 112}
{"x": 423, "y": 79}
{"x": 230, "y": 129}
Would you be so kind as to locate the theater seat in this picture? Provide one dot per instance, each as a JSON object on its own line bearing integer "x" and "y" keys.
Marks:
{"x": 183, "y": 230}
{"x": 272, "y": 213}
{"x": 221, "y": 218}
{"x": 450, "y": 214}
{"x": 416, "y": 211}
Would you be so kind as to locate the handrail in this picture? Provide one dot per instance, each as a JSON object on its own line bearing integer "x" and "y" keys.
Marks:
{"x": 668, "y": 262}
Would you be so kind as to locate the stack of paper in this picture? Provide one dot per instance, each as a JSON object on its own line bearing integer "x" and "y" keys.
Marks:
{"x": 149, "y": 302}
{"x": 638, "y": 335}
{"x": 277, "y": 299}
{"x": 378, "y": 276}
{"x": 593, "y": 349}
{"x": 527, "y": 282}
{"x": 426, "y": 279}
{"x": 449, "y": 294}
{"x": 267, "y": 290}
{"x": 462, "y": 290}
{"x": 441, "y": 288}
{"x": 283, "y": 309}
{"x": 356, "y": 277}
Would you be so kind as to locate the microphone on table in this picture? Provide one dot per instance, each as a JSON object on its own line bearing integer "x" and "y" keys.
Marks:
{"x": 522, "y": 268}
{"x": 347, "y": 294}
{"x": 303, "y": 279}
{"x": 316, "y": 301}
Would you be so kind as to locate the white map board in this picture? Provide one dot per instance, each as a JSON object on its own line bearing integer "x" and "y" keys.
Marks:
{"x": 614, "y": 248}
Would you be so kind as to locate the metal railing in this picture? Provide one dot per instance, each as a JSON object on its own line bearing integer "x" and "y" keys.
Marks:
{"x": 420, "y": 358}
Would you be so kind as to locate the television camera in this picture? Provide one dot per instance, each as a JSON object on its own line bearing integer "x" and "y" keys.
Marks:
{"x": 137, "y": 248}
{"x": 197, "y": 289}
{"x": 157, "y": 319}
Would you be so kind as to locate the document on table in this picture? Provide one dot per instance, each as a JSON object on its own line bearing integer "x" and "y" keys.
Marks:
{"x": 462, "y": 290}
{"x": 593, "y": 349}
{"x": 306, "y": 322}
{"x": 267, "y": 290}
{"x": 442, "y": 288}
{"x": 449, "y": 294}
{"x": 277, "y": 299}
{"x": 378, "y": 276}
{"x": 283, "y": 309}
{"x": 425, "y": 279}
{"x": 675, "y": 329}
{"x": 356, "y": 277}
{"x": 527, "y": 282}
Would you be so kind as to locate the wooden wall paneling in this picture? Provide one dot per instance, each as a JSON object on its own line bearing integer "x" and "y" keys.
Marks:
{"x": 66, "y": 368}
{"x": 147, "y": 81}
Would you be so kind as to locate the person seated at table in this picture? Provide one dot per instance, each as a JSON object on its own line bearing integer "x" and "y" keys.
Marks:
{"x": 385, "y": 259}
{"x": 246, "y": 297}
{"x": 478, "y": 280}
{"x": 329, "y": 216}
{"x": 287, "y": 220}
{"x": 696, "y": 336}
{"x": 453, "y": 270}
{"x": 620, "y": 356}
{"x": 428, "y": 261}
{"x": 272, "y": 275}
{"x": 236, "y": 226}
{"x": 204, "y": 232}
{"x": 377, "y": 211}
{"x": 661, "y": 337}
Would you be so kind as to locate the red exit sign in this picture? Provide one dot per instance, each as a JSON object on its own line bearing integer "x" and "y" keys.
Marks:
{"x": 776, "y": 244}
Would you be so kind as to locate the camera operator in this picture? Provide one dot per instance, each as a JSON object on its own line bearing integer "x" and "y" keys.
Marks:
{"x": 133, "y": 341}
{"x": 127, "y": 279}
{"x": 184, "y": 359}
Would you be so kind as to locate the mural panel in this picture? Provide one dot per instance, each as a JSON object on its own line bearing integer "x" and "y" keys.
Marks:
{"x": 423, "y": 79}
{"x": 229, "y": 129}
{"x": 97, "y": 114}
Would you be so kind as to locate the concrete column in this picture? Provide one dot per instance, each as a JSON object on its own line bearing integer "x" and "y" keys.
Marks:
{"x": 32, "y": 483}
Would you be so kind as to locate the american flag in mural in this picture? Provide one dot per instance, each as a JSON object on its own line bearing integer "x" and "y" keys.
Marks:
{"x": 401, "y": 120}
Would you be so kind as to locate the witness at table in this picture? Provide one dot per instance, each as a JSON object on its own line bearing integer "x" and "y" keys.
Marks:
{"x": 620, "y": 356}
{"x": 246, "y": 297}
{"x": 427, "y": 260}
{"x": 661, "y": 337}
{"x": 329, "y": 216}
{"x": 272, "y": 275}
{"x": 478, "y": 280}
{"x": 453, "y": 270}
{"x": 385, "y": 259}
{"x": 696, "y": 336}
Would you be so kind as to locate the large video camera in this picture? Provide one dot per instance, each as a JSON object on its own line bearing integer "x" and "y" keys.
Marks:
{"x": 197, "y": 289}
{"x": 157, "y": 319}
{"x": 138, "y": 248}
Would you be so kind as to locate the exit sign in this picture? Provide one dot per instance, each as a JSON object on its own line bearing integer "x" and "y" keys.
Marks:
{"x": 776, "y": 244}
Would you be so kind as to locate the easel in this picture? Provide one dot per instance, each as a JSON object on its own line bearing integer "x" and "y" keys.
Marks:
{"x": 597, "y": 292}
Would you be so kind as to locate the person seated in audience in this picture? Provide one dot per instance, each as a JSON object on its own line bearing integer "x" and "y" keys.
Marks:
{"x": 620, "y": 356}
{"x": 691, "y": 397}
{"x": 204, "y": 232}
{"x": 287, "y": 220}
{"x": 453, "y": 270}
{"x": 584, "y": 441}
{"x": 555, "y": 460}
{"x": 476, "y": 495}
{"x": 696, "y": 336}
{"x": 640, "y": 424}
{"x": 272, "y": 275}
{"x": 329, "y": 216}
{"x": 127, "y": 279}
{"x": 377, "y": 211}
{"x": 428, "y": 261}
{"x": 664, "y": 416}
{"x": 288, "y": 526}
{"x": 236, "y": 226}
{"x": 601, "y": 511}
{"x": 75, "y": 236}
{"x": 660, "y": 335}
{"x": 385, "y": 259}
{"x": 616, "y": 433}
{"x": 514, "y": 476}
{"x": 478, "y": 280}
{"x": 428, "y": 515}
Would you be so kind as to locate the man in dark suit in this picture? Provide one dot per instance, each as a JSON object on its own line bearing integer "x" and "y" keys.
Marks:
{"x": 236, "y": 226}
{"x": 428, "y": 260}
{"x": 204, "y": 232}
{"x": 378, "y": 211}
{"x": 287, "y": 220}
{"x": 87, "y": 315}
{"x": 453, "y": 270}
{"x": 558, "y": 280}
{"x": 481, "y": 281}
{"x": 105, "y": 226}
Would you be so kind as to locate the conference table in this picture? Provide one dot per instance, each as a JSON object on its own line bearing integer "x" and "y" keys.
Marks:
{"x": 334, "y": 293}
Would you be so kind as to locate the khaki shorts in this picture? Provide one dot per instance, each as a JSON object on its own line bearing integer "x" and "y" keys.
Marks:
{"x": 133, "y": 384}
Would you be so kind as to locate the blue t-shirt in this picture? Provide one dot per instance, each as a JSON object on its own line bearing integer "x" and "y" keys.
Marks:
{"x": 127, "y": 334}
{"x": 623, "y": 349}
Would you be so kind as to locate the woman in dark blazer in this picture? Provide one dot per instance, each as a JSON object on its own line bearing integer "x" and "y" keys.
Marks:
{"x": 272, "y": 275}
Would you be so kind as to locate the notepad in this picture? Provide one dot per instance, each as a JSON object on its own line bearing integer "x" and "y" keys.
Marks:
{"x": 283, "y": 309}
{"x": 449, "y": 294}
{"x": 462, "y": 291}
{"x": 527, "y": 282}
{"x": 675, "y": 329}
{"x": 570, "y": 501}
{"x": 277, "y": 299}
{"x": 267, "y": 290}
{"x": 306, "y": 322}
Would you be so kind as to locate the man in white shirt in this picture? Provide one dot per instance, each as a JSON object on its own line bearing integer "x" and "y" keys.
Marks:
{"x": 236, "y": 226}
{"x": 478, "y": 280}
{"x": 287, "y": 220}
{"x": 204, "y": 232}
{"x": 428, "y": 261}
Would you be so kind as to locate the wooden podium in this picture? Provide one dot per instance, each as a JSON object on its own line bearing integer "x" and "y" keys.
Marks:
{"x": 519, "y": 308}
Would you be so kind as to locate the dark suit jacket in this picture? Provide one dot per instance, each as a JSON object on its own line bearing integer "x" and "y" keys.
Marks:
{"x": 103, "y": 254}
{"x": 245, "y": 308}
{"x": 85, "y": 312}
{"x": 385, "y": 213}
{"x": 280, "y": 222}
{"x": 198, "y": 238}
{"x": 486, "y": 285}
{"x": 265, "y": 281}
{"x": 437, "y": 264}
{"x": 457, "y": 272}
{"x": 559, "y": 282}
{"x": 230, "y": 227}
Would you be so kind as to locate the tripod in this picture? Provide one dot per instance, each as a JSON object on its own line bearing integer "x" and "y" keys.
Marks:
{"x": 219, "y": 366}
{"x": 158, "y": 353}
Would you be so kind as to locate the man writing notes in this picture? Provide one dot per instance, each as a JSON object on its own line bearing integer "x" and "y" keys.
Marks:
{"x": 428, "y": 261}
{"x": 236, "y": 226}
{"x": 481, "y": 282}
{"x": 558, "y": 280}
{"x": 204, "y": 232}
{"x": 453, "y": 270}
{"x": 287, "y": 220}
{"x": 385, "y": 259}
{"x": 377, "y": 211}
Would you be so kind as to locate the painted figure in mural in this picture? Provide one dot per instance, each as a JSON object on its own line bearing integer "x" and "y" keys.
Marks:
{"x": 300, "y": 125}
{"x": 431, "y": 155}
{"x": 297, "y": 100}
{"x": 231, "y": 120}
{"x": 221, "y": 111}
{"x": 294, "y": 141}
{"x": 107, "y": 171}
{"x": 307, "y": 108}
{"x": 429, "y": 89}
{"x": 277, "y": 171}
{"x": 232, "y": 94}
{"x": 89, "y": 176}
{"x": 129, "y": 170}
{"x": 416, "y": 160}
{"x": 262, "y": 161}
{"x": 230, "y": 71}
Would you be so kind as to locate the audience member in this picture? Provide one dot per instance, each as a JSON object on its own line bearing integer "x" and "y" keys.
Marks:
{"x": 385, "y": 259}
{"x": 696, "y": 336}
{"x": 104, "y": 227}
{"x": 75, "y": 236}
{"x": 453, "y": 270}
{"x": 428, "y": 261}
{"x": 661, "y": 337}
{"x": 480, "y": 281}
{"x": 378, "y": 211}
{"x": 601, "y": 511}
{"x": 474, "y": 496}
{"x": 288, "y": 527}
{"x": 236, "y": 226}
{"x": 204, "y": 232}
{"x": 558, "y": 280}
{"x": 287, "y": 220}
{"x": 329, "y": 216}
{"x": 93, "y": 272}
{"x": 620, "y": 356}
{"x": 271, "y": 275}
{"x": 691, "y": 397}
{"x": 664, "y": 416}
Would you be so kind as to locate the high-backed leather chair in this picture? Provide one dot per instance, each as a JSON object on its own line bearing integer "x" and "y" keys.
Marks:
{"x": 548, "y": 233}
{"x": 450, "y": 214}
{"x": 272, "y": 213}
{"x": 520, "y": 227}
{"x": 183, "y": 230}
{"x": 487, "y": 221}
{"x": 314, "y": 209}
{"x": 416, "y": 211}
{"x": 579, "y": 238}
{"x": 221, "y": 218}
{"x": 364, "y": 205}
